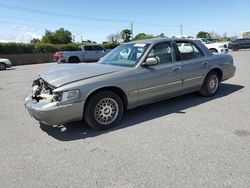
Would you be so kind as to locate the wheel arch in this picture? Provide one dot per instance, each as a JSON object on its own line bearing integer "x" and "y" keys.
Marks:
{"x": 114, "y": 89}
{"x": 213, "y": 49}
{"x": 74, "y": 57}
{"x": 218, "y": 70}
{"x": 3, "y": 63}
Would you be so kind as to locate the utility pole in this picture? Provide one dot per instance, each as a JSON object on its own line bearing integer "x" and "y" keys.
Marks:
{"x": 181, "y": 30}
{"x": 132, "y": 30}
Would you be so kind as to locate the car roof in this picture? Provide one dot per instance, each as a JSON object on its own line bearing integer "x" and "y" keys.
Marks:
{"x": 157, "y": 40}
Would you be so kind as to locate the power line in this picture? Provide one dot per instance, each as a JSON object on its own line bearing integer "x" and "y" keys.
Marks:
{"x": 59, "y": 14}
{"x": 82, "y": 17}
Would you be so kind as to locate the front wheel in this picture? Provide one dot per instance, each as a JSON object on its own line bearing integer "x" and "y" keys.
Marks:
{"x": 210, "y": 85}
{"x": 104, "y": 110}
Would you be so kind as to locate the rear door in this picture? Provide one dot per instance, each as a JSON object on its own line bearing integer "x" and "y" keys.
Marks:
{"x": 161, "y": 80}
{"x": 243, "y": 43}
{"x": 89, "y": 53}
{"x": 247, "y": 44}
{"x": 100, "y": 51}
{"x": 194, "y": 64}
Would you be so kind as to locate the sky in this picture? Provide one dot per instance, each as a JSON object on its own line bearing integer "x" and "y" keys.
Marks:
{"x": 22, "y": 20}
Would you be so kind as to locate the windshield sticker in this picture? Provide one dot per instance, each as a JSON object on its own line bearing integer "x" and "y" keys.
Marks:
{"x": 139, "y": 45}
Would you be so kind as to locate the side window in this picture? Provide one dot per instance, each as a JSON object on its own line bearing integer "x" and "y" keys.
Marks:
{"x": 98, "y": 48}
{"x": 88, "y": 48}
{"x": 163, "y": 52}
{"x": 188, "y": 50}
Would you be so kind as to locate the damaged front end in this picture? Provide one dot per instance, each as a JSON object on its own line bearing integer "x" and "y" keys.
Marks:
{"x": 43, "y": 92}
{"x": 53, "y": 108}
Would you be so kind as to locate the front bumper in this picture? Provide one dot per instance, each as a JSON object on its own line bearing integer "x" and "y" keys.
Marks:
{"x": 223, "y": 50}
{"x": 61, "y": 61}
{"x": 9, "y": 65}
{"x": 51, "y": 113}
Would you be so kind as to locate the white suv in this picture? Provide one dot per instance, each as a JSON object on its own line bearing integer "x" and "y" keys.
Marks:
{"x": 215, "y": 47}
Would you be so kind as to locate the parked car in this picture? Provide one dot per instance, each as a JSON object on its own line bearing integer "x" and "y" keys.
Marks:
{"x": 154, "y": 69}
{"x": 85, "y": 53}
{"x": 5, "y": 63}
{"x": 215, "y": 47}
{"x": 237, "y": 44}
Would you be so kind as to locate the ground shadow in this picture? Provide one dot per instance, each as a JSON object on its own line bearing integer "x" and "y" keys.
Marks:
{"x": 79, "y": 130}
{"x": 10, "y": 69}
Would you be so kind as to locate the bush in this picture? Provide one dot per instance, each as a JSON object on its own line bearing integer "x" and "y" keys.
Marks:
{"x": 20, "y": 48}
{"x": 16, "y": 48}
{"x": 108, "y": 45}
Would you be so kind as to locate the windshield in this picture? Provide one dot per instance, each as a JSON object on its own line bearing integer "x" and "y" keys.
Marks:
{"x": 206, "y": 41}
{"x": 125, "y": 55}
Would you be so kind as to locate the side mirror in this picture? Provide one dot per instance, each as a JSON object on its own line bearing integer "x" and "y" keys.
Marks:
{"x": 150, "y": 61}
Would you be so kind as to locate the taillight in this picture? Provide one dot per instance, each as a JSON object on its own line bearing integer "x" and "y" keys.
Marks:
{"x": 60, "y": 55}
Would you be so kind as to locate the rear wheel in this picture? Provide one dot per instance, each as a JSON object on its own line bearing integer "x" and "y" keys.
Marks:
{"x": 235, "y": 48}
{"x": 210, "y": 85}
{"x": 2, "y": 66}
{"x": 74, "y": 60}
{"x": 104, "y": 110}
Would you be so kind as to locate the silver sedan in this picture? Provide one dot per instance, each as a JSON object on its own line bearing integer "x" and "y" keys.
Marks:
{"x": 5, "y": 63}
{"x": 131, "y": 75}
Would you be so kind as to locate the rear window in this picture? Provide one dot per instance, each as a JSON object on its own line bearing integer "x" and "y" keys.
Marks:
{"x": 88, "y": 48}
{"x": 188, "y": 50}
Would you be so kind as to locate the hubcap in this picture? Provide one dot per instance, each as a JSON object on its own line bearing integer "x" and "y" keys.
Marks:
{"x": 106, "y": 111}
{"x": 213, "y": 84}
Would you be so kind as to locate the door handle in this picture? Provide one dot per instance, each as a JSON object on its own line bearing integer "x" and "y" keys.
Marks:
{"x": 176, "y": 69}
{"x": 205, "y": 63}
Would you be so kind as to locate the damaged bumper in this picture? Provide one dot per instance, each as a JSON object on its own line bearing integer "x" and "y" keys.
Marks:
{"x": 51, "y": 113}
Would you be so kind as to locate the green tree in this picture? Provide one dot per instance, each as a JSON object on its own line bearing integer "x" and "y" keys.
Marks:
{"x": 141, "y": 36}
{"x": 203, "y": 34}
{"x": 126, "y": 35}
{"x": 48, "y": 37}
{"x": 34, "y": 40}
{"x": 114, "y": 38}
{"x": 162, "y": 35}
{"x": 60, "y": 36}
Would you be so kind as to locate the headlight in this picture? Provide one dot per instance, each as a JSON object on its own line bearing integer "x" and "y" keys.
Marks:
{"x": 68, "y": 97}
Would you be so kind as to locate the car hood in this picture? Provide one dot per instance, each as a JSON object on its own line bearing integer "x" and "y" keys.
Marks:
{"x": 3, "y": 59}
{"x": 67, "y": 73}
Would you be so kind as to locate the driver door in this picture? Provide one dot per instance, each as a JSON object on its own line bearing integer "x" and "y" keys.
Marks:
{"x": 161, "y": 80}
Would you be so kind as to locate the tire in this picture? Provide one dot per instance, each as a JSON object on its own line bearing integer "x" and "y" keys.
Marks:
{"x": 3, "y": 66}
{"x": 98, "y": 111}
{"x": 210, "y": 85}
{"x": 213, "y": 50}
{"x": 74, "y": 60}
{"x": 235, "y": 48}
